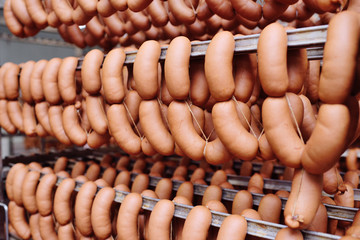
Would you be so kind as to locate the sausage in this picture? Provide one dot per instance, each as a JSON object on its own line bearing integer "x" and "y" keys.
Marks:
{"x": 62, "y": 201}
{"x": 119, "y": 5}
{"x": 100, "y": 212}
{"x": 47, "y": 227}
{"x": 93, "y": 172}
{"x": 320, "y": 222}
{"x": 18, "y": 220}
{"x": 132, "y": 103}
{"x": 314, "y": 159}
{"x": 61, "y": 164}
{"x": 49, "y": 81}
{"x": 137, "y": 5}
{"x": 56, "y": 124}
{"x": 44, "y": 198}
{"x": 160, "y": 220}
{"x": 36, "y": 89}
{"x": 96, "y": 114}
{"x": 244, "y": 77}
{"x": 79, "y": 17}
{"x": 199, "y": 91}
{"x": 34, "y": 226}
{"x": 256, "y": 183}
{"x": 330, "y": 91}
{"x": 115, "y": 25}
{"x": 10, "y": 180}
{"x": 29, "y": 119}
{"x": 28, "y": 191}
{"x": 242, "y": 200}
{"x": 197, "y": 223}
{"x": 347, "y": 198}
{"x": 66, "y": 79}
{"x": 163, "y": 188}
{"x": 88, "y": 6}
{"x": 105, "y": 8}
{"x": 272, "y": 9}
{"x": 83, "y": 204}
{"x": 24, "y": 81}
{"x": 297, "y": 66}
{"x": 219, "y": 55}
{"x": 13, "y": 24}
{"x": 63, "y": 11}
{"x": 127, "y": 219}
{"x": 224, "y": 9}
{"x": 42, "y": 115}
{"x": 112, "y": 78}
{"x": 123, "y": 177}
{"x": 37, "y": 13}
{"x": 4, "y": 118}
{"x": 120, "y": 129}
{"x": 20, "y": 11}
{"x": 183, "y": 131}
{"x": 157, "y": 168}
{"x": 141, "y": 182}
{"x": 146, "y": 70}
{"x": 3, "y": 70}
{"x": 72, "y": 127}
{"x": 333, "y": 181}
{"x": 233, "y": 227}
{"x": 232, "y": 133}
{"x": 352, "y": 177}
{"x": 289, "y": 233}
{"x": 272, "y": 70}
{"x": 270, "y": 214}
{"x": 18, "y": 181}
{"x": 247, "y": 9}
{"x": 15, "y": 114}
{"x": 66, "y": 232}
{"x": 11, "y": 83}
{"x": 309, "y": 120}
{"x": 141, "y": 22}
{"x": 95, "y": 140}
{"x": 182, "y": 12}
{"x": 158, "y": 13}
{"x": 212, "y": 192}
{"x": 304, "y": 199}
{"x": 154, "y": 128}
{"x": 78, "y": 169}
{"x": 186, "y": 189}
{"x": 274, "y": 127}
{"x": 177, "y": 68}
{"x": 90, "y": 71}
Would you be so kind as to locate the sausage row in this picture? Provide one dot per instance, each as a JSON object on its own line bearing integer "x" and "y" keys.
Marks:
{"x": 109, "y": 22}
{"x": 242, "y": 203}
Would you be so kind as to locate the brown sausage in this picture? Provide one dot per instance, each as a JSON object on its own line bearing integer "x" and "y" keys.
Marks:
{"x": 66, "y": 79}
{"x": 49, "y": 81}
{"x": 28, "y": 191}
{"x": 112, "y": 78}
{"x": 44, "y": 192}
{"x": 56, "y": 124}
{"x": 62, "y": 201}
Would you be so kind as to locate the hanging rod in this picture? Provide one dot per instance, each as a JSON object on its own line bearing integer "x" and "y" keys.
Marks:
{"x": 311, "y": 38}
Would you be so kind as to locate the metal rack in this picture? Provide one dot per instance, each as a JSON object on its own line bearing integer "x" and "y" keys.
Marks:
{"x": 311, "y": 38}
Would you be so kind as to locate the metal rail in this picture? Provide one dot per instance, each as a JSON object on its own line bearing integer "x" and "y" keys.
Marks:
{"x": 311, "y": 38}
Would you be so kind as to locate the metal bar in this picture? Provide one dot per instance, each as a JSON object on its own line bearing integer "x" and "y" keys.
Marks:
{"x": 3, "y": 205}
{"x": 257, "y": 228}
{"x": 307, "y": 37}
